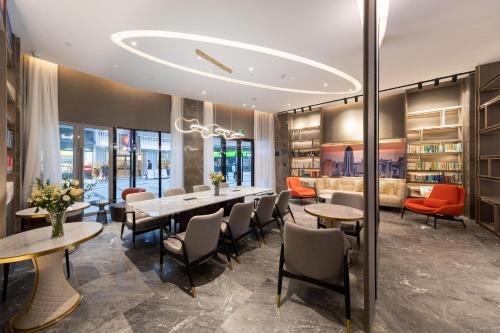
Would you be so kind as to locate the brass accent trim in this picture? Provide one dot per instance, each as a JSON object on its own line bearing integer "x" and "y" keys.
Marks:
{"x": 230, "y": 265}
{"x": 278, "y": 300}
{"x": 9, "y": 328}
{"x": 238, "y": 259}
{"x": 193, "y": 292}
{"x": 50, "y": 251}
{"x": 348, "y": 326}
{"x": 213, "y": 61}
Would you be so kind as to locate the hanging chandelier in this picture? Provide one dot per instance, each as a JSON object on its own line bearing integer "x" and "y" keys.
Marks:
{"x": 208, "y": 131}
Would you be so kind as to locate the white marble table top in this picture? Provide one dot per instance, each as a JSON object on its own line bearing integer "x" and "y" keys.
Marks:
{"x": 30, "y": 212}
{"x": 334, "y": 212}
{"x": 37, "y": 242}
{"x": 185, "y": 202}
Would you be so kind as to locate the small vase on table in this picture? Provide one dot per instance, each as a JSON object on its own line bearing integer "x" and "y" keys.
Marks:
{"x": 216, "y": 190}
{"x": 57, "y": 219}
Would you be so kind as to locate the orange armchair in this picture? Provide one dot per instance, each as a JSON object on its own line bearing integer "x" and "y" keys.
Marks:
{"x": 299, "y": 191}
{"x": 445, "y": 202}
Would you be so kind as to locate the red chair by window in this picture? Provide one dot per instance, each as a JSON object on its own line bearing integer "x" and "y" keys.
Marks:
{"x": 299, "y": 191}
{"x": 130, "y": 190}
{"x": 445, "y": 202}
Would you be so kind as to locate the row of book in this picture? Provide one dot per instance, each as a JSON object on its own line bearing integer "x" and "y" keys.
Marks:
{"x": 10, "y": 139}
{"x": 305, "y": 153}
{"x": 434, "y": 166}
{"x": 305, "y": 164}
{"x": 451, "y": 178}
{"x": 435, "y": 148}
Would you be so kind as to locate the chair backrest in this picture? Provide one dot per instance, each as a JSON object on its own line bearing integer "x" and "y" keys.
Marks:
{"x": 201, "y": 188}
{"x": 353, "y": 200}
{"x": 283, "y": 200}
{"x": 293, "y": 182}
{"x": 136, "y": 197}
{"x": 174, "y": 191}
{"x": 315, "y": 253}
{"x": 202, "y": 234}
{"x": 130, "y": 190}
{"x": 239, "y": 219}
{"x": 224, "y": 185}
{"x": 265, "y": 208}
{"x": 453, "y": 193}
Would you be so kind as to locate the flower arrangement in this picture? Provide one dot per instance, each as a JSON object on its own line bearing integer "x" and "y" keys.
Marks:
{"x": 216, "y": 178}
{"x": 55, "y": 198}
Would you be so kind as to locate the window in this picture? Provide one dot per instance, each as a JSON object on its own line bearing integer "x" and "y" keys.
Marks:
{"x": 66, "y": 138}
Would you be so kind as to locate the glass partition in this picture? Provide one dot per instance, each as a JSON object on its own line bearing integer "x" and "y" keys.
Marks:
{"x": 123, "y": 160}
{"x": 96, "y": 163}
{"x": 147, "y": 167}
{"x": 67, "y": 148}
{"x": 166, "y": 148}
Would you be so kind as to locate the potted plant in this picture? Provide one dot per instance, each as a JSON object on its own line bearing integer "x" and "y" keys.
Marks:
{"x": 55, "y": 199}
{"x": 216, "y": 179}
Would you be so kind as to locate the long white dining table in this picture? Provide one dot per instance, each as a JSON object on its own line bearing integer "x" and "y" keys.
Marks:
{"x": 168, "y": 206}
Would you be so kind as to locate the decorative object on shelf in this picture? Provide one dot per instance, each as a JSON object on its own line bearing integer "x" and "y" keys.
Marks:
{"x": 55, "y": 198}
{"x": 217, "y": 179}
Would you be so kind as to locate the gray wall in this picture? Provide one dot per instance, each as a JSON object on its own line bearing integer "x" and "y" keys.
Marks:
{"x": 242, "y": 118}
{"x": 193, "y": 146}
{"x": 88, "y": 99}
{"x": 433, "y": 98}
{"x": 345, "y": 122}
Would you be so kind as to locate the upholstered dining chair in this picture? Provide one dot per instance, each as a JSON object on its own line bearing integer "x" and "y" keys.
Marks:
{"x": 236, "y": 226}
{"x": 224, "y": 185}
{"x": 264, "y": 213}
{"x": 137, "y": 221}
{"x": 354, "y": 200}
{"x": 201, "y": 188}
{"x": 130, "y": 190}
{"x": 315, "y": 256}
{"x": 196, "y": 245}
{"x": 174, "y": 191}
{"x": 283, "y": 205}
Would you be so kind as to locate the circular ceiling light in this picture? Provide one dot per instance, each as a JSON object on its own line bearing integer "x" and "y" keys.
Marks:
{"x": 119, "y": 37}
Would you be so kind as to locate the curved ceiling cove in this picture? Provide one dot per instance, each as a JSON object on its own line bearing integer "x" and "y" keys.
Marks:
{"x": 119, "y": 38}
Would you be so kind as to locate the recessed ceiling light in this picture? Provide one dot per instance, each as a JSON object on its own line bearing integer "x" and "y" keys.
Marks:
{"x": 350, "y": 90}
{"x": 115, "y": 66}
{"x": 293, "y": 77}
{"x": 134, "y": 43}
{"x": 325, "y": 84}
{"x": 203, "y": 92}
{"x": 250, "y": 69}
{"x": 199, "y": 58}
{"x": 119, "y": 37}
{"x": 289, "y": 104}
{"x": 253, "y": 106}
{"x": 244, "y": 104}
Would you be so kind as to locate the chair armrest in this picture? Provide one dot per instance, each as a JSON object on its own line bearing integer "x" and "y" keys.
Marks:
{"x": 130, "y": 212}
{"x": 173, "y": 235}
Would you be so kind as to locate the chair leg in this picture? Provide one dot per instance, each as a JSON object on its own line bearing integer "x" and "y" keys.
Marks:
{"x": 435, "y": 220}
{"x": 255, "y": 232}
{"x": 66, "y": 254}
{"x": 347, "y": 295}
{"x": 293, "y": 218}
{"x": 403, "y": 211}
{"x": 262, "y": 234}
{"x": 280, "y": 276}
{"x": 226, "y": 251}
{"x": 133, "y": 238}
{"x": 6, "y": 268}
{"x": 123, "y": 227}
{"x": 193, "y": 289}
{"x": 463, "y": 223}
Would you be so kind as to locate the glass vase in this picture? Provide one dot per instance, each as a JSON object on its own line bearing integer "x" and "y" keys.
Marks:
{"x": 216, "y": 190}
{"x": 57, "y": 220}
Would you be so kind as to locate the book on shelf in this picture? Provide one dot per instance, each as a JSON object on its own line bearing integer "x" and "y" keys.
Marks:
{"x": 446, "y": 178}
{"x": 434, "y": 166}
{"x": 10, "y": 139}
{"x": 10, "y": 164}
{"x": 434, "y": 148}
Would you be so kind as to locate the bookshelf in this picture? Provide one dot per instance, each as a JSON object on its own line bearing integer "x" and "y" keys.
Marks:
{"x": 488, "y": 146}
{"x": 434, "y": 141}
{"x": 305, "y": 144}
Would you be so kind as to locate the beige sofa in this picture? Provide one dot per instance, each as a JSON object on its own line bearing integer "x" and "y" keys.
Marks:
{"x": 391, "y": 191}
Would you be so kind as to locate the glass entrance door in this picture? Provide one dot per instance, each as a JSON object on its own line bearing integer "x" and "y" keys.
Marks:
{"x": 123, "y": 160}
{"x": 231, "y": 153}
{"x": 246, "y": 162}
{"x": 235, "y": 159}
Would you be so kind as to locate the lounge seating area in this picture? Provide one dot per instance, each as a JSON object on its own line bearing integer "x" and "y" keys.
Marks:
{"x": 326, "y": 166}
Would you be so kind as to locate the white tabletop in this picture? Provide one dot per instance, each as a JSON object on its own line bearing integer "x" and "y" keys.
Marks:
{"x": 334, "y": 212}
{"x": 30, "y": 212}
{"x": 38, "y": 242}
{"x": 185, "y": 202}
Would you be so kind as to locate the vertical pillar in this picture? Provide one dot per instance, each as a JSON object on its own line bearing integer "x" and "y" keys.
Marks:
{"x": 370, "y": 156}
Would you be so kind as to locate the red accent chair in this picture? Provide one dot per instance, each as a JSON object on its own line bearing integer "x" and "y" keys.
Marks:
{"x": 445, "y": 202}
{"x": 130, "y": 190}
{"x": 299, "y": 191}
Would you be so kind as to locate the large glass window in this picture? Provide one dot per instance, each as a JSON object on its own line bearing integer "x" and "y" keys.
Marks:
{"x": 234, "y": 159}
{"x": 165, "y": 157}
{"x": 246, "y": 163}
{"x": 217, "y": 154}
{"x": 147, "y": 172}
{"x": 96, "y": 163}
{"x": 123, "y": 160}
{"x": 67, "y": 143}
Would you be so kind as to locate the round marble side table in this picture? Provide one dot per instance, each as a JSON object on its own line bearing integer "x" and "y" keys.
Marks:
{"x": 333, "y": 214}
{"x": 52, "y": 298}
{"x": 30, "y": 213}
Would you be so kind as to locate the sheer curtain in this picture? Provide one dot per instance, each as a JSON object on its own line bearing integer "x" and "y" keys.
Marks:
{"x": 208, "y": 144}
{"x": 264, "y": 150}
{"x": 177, "y": 154}
{"x": 40, "y": 133}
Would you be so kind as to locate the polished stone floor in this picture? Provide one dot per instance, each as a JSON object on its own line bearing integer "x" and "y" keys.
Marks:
{"x": 444, "y": 280}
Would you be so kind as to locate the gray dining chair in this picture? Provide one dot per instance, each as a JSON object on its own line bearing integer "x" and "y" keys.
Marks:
{"x": 315, "y": 256}
{"x": 351, "y": 228}
{"x": 196, "y": 245}
{"x": 264, "y": 214}
{"x": 236, "y": 226}
{"x": 137, "y": 221}
{"x": 174, "y": 191}
{"x": 201, "y": 188}
{"x": 283, "y": 205}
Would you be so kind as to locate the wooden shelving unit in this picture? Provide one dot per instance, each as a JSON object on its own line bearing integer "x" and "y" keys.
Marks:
{"x": 488, "y": 146}
{"x": 434, "y": 147}
{"x": 10, "y": 120}
{"x": 305, "y": 145}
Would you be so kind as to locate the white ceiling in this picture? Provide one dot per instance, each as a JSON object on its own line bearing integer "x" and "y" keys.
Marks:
{"x": 425, "y": 39}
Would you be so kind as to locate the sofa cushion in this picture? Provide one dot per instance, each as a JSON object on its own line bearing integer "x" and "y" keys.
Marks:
{"x": 346, "y": 184}
{"x": 436, "y": 203}
{"x": 390, "y": 200}
{"x": 358, "y": 185}
{"x": 386, "y": 187}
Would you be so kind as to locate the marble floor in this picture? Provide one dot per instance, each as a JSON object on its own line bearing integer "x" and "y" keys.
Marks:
{"x": 444, "y": 280}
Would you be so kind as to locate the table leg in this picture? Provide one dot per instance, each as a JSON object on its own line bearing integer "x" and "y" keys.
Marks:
{"x": 101, "y": 215}
{"x": 52, "y": 298}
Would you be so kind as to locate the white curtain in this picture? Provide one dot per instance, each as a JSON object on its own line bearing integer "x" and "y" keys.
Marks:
{"x": 208, "y": 144}
{"x": 264, "y": 150}
{"x": 177, "y": 154}
{"x": 40, "y": 133}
